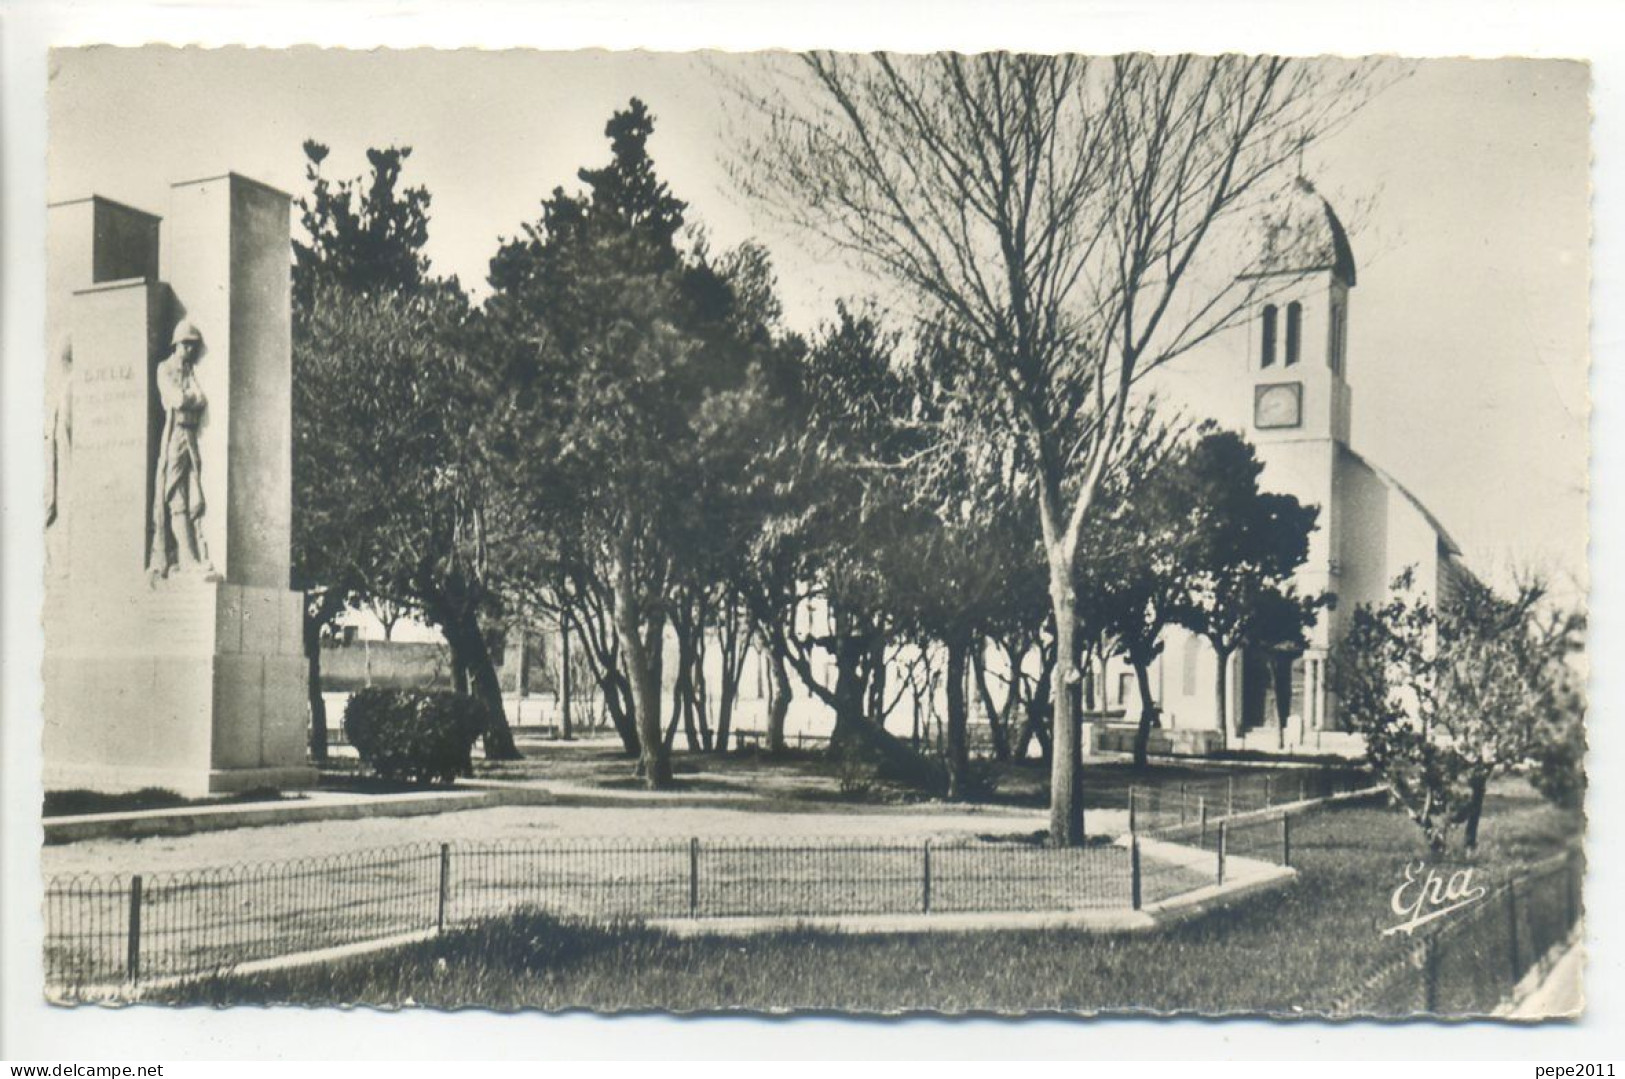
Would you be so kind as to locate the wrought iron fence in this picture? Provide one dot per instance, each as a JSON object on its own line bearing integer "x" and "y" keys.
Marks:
{"x": 104, "y": 930}
{"x": 1471, "y": 961}
{"x": 101, "y": 929}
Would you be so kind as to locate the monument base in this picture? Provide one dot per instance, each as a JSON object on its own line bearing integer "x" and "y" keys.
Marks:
{"x": 111, "y": 779}
{"x": 193, "y": 686}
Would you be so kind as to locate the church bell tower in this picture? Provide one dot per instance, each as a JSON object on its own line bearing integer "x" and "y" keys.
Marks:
{"x": 1298, "y": 353}
{"x": 1298, "y": 402}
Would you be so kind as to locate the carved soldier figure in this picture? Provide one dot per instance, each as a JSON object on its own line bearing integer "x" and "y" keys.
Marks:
{"x": 177, "y": 501}
{"x": 58, "y": 451}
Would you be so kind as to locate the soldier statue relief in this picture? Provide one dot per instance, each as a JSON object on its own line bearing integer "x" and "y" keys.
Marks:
{"x": 177, "y": 501}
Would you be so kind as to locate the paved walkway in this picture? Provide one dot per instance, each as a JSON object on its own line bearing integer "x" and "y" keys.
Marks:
{"x": 647, "y": 816}
{"x": 1561, "y": 993}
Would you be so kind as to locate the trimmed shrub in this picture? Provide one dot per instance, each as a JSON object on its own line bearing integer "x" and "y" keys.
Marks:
{"x": 414, "y": 734}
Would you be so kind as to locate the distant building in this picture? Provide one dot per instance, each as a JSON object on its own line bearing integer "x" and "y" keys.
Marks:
{"x": 1293, "y": 368}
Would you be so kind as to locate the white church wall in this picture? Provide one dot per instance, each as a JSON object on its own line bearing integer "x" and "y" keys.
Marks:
{"x": 1183, "y": 683}
{"x": 1383, "y": 534}
{"x": 1364, "y": 556}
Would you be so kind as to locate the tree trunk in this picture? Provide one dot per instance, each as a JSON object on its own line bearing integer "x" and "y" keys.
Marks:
{"x": 604, "y": 666}
{"x": 1066, "y": 756}
{"x": 698, "y": 693}
{"x": 958, "y": 717}
{"x": 733, "y": 669}
{"x": 1475, "y": 809}
{"x": 459, "y": 673}
{"x": 1221, "y": 697}
{"x": 470, "y": 654}
{"x": 998, "y": 719}
{"x": 1281, "y": 670}
{"x": 566, "y": 729}
{"x": 1148, "y": 713}
{"x": 877, "y": 681}
{"x": 622, "y": 710}
{"x": 313, "y": 683}
{"x": 1038, "y": 715}
{"x": 779, "y": 702}
{"x": 654, "y": 761}
{"x": 682, "y": 695}
{"x": 850, "y": 686}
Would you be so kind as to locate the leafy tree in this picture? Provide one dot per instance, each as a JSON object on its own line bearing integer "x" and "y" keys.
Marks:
{"x": 421, "y": 501}
{"x": 363, "y": 272}
{"x": 1447, "y": 695}
{"x": 1065, "y": 216}
{"x": 363, "y": 244}
{"x": 630, "y": 366}
{"x": 365, "y": 235}
{"x": 970, "y": 570}
{"x": 1241, "y": 549}
{"x": 1135, "y": 567}
{"x": 841, "y": 539}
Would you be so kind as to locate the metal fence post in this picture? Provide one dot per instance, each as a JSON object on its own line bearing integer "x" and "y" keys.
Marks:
{"x": 445, "y": 887}
{"x": 1132, "y": 817}
{"x": 1229, "y": 796}
{"x": 1286, "y": 839}
{"x": 1201, "y": 812}
{"x": 694, "y": 877}
{"x": 1223, "y": 842}
{"x": 1512, "y": 930}
{"x": 1430, "y": 974}
{"x": 1134, "y": 871}
{"x": 925, "y": 880}
{"x": 132, "y": 955}
{"x": 1570, "y": 896}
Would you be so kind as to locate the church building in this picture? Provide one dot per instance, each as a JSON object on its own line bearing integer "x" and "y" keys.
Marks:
{"x": 1291, "y": 363}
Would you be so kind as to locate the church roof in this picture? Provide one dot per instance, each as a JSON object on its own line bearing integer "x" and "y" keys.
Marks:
{"x": 1445, "y": 538}
{"x": 1304, "y": 235}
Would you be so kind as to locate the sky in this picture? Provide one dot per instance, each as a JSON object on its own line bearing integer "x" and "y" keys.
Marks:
{"x": 1468, "y": 328}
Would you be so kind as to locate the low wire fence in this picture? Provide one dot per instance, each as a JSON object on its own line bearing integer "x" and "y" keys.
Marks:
{"x": 104, "y": 930}
{"x": 1155, "y": 807}
{"x": 1470, "y": 962}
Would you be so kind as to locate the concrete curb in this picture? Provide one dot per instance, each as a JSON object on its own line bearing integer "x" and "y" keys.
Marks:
{"x": 125, "y": 993}
{"x": 1098, "y": 921}
{"x": 1278, "y": 808}
{"x": 186, "y": 820}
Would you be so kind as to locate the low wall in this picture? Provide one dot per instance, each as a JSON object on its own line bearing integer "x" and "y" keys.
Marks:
{"x": 1165, "y": 741}
{"x": 391, "y": 664}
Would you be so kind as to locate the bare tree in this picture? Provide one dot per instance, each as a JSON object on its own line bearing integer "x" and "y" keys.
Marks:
{"x": 1062, "y": 215}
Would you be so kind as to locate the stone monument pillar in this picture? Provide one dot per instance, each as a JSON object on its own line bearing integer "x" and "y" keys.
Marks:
{"x": 163, "y": 671}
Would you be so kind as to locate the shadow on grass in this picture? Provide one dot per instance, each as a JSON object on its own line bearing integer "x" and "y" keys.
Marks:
{"x": 72, "y": 803}
{"x": 1290, "y": 953}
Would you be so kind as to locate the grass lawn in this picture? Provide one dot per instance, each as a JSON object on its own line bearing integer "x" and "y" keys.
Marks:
{"x": 70, "y": 803}
{"x": 1297, "y": 950}
{"x": 805, "y": 780}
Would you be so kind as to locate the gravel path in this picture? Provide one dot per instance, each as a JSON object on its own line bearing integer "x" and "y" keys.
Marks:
{"x": 628, "y": 819}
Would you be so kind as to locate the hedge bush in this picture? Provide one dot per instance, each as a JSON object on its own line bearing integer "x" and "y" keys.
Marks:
{"x": 414, "y": 734}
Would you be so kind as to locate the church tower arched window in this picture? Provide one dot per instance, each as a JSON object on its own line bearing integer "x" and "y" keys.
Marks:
{"x": 1294, "y": 331}
{"x": 1337, "y": 336}
{"x": 1267, "y": 346}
